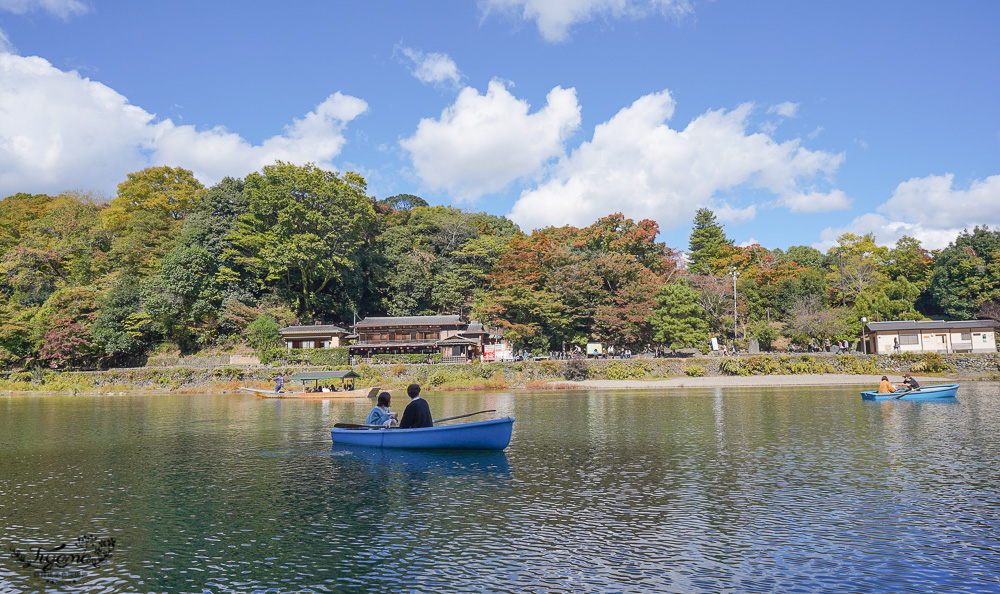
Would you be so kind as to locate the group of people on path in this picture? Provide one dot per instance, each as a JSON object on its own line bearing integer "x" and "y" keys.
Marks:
{"x": 416, "y": 415}
{"x": 887, "y": 387}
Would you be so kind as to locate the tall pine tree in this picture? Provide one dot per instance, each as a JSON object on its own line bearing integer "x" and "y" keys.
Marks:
{"x": 708, "y": 242}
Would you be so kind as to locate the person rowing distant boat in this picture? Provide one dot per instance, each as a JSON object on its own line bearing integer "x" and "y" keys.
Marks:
{"x": 909, "y": 382}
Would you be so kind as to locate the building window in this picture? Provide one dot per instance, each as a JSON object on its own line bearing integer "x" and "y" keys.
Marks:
{"x": 967, "y": 336}
{"x": 909, "y": 339}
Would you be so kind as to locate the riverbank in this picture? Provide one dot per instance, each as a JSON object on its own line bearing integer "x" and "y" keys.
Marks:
{"x": 827, "y": 379}
{"x": 757, "y": 370}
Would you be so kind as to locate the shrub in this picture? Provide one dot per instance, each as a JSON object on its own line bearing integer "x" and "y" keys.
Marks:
{"x": 857, "y": 365}
{"x": 731, "y": 366}
{"x": 934, "y": 363}
{"x": 621, "y": 370}
{"x": 576, "y": 370}
{"x": 415, "y": 359}
{"x": 695, "y": 371}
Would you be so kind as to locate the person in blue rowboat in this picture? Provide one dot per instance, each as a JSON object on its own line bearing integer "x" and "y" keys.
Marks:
{"x": 417, "y": 413}
{"x": 380, "y": 414}
{"x": 909, "y": 382}
{"x": 279, "y": 382}
{"x": 885, "y": 386}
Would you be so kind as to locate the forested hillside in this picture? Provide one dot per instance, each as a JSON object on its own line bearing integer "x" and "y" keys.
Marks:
{"x": 169, "y": 265}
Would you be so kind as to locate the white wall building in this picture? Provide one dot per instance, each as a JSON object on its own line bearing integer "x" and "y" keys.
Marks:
{"x": 966, "y": 336}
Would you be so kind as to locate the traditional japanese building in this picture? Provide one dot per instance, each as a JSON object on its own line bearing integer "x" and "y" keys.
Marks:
{"x": 317, "y": 336}
{"x": 455, "y": 340}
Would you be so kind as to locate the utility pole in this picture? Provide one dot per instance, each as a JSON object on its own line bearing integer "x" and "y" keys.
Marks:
{"x": 735, "y": 274}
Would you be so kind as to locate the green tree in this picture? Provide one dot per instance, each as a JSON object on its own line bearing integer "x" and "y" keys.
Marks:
{"x": 966, "y": 274}
{"x": 707, "y": 243}
{"x": 122, "y": 329}
{"x": 16, "y": 345}
{"x": 677, "y": 320}
{"x": 264, "y": 336}
{"x": 305, "y": 232}
{"x": 804, "y": 256}
{"x": 857, "y": 266}
{"x": 167, "y": 191}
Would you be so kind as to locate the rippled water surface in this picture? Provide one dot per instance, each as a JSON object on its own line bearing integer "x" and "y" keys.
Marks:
{"x": 682, "y": 490}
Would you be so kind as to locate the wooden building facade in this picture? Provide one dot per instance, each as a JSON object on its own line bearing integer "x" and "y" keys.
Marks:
{"x": 317, "y": 336}
{"x": 455, "y": 340}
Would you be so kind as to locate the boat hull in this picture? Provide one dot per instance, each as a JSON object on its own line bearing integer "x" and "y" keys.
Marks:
{"x": 481, "y": 435}
{"x": 923, "y": 393}
{"x": 358, "y": 394}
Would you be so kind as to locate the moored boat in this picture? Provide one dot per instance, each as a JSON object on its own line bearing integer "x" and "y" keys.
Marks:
{"x": 363, "y": 393}
{"x": 322, "y": 386}
{"x": 922, "y": 393}
{"x": 480, "y": 435}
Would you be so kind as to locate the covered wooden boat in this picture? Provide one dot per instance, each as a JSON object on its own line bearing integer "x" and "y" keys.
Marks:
{"x": 922, "y": 393}
{"x": 363, "y": 393}
{"x": 323, "y": 385}
{"x": 481, "y": 435}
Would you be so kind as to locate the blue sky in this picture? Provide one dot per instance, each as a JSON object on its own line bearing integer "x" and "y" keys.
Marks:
{"x": 793, "y": 121}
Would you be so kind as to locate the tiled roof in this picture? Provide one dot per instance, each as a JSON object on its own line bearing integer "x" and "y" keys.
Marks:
{"x": 457, "y": 341}
{"x": 929, "y": 325}
{"x": 318, "y": 328}
{"x": 410, "y": 321}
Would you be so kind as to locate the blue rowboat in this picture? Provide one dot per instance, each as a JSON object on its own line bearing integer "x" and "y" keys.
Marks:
{"x": 922, "y": 393}
{"x": 481, "y": 435}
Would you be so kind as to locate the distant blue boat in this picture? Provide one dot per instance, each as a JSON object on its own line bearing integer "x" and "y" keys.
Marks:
{"x": 482, "y": 435}
{"x": 923, "y": 393}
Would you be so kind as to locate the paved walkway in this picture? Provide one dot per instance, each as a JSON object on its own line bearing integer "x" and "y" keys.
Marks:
{"x": 828, "y": 379}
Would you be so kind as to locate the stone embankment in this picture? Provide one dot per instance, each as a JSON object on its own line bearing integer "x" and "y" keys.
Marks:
{"x": 810, "y": 368}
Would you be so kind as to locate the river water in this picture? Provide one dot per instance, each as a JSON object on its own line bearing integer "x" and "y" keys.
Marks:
{"x": 678, "y": 490}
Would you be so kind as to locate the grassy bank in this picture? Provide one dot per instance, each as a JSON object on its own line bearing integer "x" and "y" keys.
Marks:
{"x": 501, "y": 376}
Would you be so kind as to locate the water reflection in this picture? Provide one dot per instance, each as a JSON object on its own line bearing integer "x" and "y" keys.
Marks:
{"x": 691, "y": 490}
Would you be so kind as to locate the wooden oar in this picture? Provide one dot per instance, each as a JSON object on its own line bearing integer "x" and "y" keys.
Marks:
{"x": 436, "y": 421}
{"x": 901, "y": 394}
{"x": 357, "y": 426}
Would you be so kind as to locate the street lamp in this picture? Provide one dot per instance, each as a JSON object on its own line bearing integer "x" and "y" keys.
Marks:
{"x": 864, "y": 347}
{"x": 735, "y": 274}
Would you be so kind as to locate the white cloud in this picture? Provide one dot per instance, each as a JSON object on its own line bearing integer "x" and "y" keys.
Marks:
{"x": 636, "y": 164}
{"x": 932, "y": 202}
{"x": 815, "y": 201}
{"x": 61, "y": 131}
{"x": 887, "y": 232}
{"x": 785, "y": 110}
{"x": 433, "y": 68}
{"x": 555, "y": 17}
{"x": 482, "y": 143}
{"x": 60, "y": 8}
{"x": 929, "y": 209}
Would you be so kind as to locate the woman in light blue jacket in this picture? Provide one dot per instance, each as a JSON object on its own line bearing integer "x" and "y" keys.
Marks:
{"x": 380, "y": 414}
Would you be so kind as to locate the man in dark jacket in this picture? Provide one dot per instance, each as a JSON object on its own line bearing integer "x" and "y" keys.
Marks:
{"x": 417, "y": 413}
